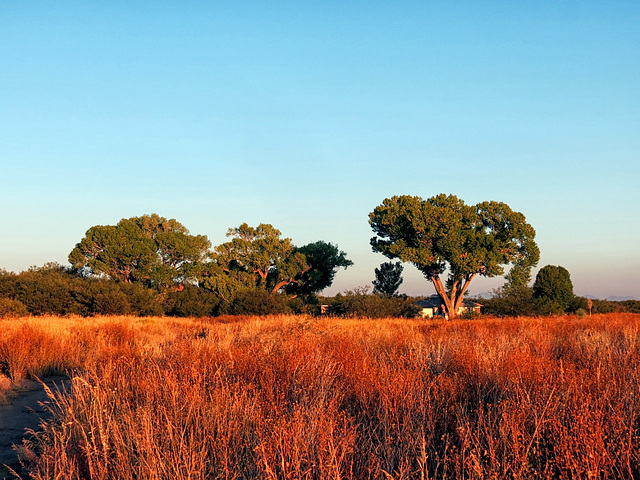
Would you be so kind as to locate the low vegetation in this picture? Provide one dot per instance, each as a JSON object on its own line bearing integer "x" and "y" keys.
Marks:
{"x": 304, "y": 397}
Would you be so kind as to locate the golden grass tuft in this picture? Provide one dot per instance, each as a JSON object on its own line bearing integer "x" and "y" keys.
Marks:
{"x": 302, "y": 397}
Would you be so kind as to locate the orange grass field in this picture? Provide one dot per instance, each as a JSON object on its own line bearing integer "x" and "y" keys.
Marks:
{"x": 293, "y": 397}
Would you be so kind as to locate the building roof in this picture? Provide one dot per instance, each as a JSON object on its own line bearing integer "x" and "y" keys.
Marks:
{"x": 434, "y": 301}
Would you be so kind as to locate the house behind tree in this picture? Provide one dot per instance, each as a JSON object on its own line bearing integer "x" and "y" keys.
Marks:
{"x": 433, "y": 306}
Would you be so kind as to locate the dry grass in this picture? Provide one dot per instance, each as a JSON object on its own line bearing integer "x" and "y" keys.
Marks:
{"x": 300, "y": 397}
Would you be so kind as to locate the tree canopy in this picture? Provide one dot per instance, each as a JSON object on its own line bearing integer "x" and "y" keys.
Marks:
{"x": 323, "y": 260}
{"x": 259, "y": 257}
{"x": 554, "y": 288}
{"x": 155, "y": 252}
{"x": 443, "y": 234}
{"x": 148, "y": 249}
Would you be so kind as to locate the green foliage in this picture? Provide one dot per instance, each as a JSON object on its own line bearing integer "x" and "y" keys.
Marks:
{"x": 510, "y": 302}
{"x": 12, "y": 308}
{"x": 144, "y": 302}
{"x": 121, "y": 252}
{"x": 149, "y": 265}
{"x": 101, "y": 296}
{"x": 518, "y": 278}
{"x": 258, "y": 257}
{"x": 192, "y": 302}
{"x": 579, "y": 303}
{"x": 111, "y": 302}
{"x": 553, "y": 289}
{"x": 632, "y": 306}
{"x": 259, "y": 302}
{"x": 8, "y": 284}
{"x": 442, "y": 234}
{"x": 388, "y": 278}
{"x": 55, "y": 290}
{"x": 359, "y": 302}
{"x": 148, "y": 249}
{"x": 49, "y": 289}
{"x": 608, "y": 306}
{"x": 226, "y": 284}
{"x": 323, "y": 260}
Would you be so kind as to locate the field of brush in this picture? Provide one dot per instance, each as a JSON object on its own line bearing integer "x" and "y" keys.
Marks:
{"x": 293, "y": 397}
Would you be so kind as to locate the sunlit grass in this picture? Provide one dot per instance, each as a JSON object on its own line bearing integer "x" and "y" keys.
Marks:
{"x": 304, "y": 397}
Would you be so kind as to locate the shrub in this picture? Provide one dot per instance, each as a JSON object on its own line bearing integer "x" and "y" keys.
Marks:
{"x": 359, "y": 302}
{"x": 112, "y": 302}
{"x": 144, "y": 302}
{"x": 259, "y": 302}
{"x": 192, "y": 302}
{"x": 49, "y": 289}
{"x": 12, "y": 308}
{"x": 510, "y": 302}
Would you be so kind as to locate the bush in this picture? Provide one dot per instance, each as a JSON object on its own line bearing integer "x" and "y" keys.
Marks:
{"x": 144, "y": 302}
{"x": 12, "y": 308}
{"x": 510, "y": 302}
{"x": 112, "y": 302}
{"x": 259, "y": 302}
{"x": 192, "y": 302}
{"x": 631, "y": 306}
{"x": 49, "y": 289}
{"x": 359, "y": 302}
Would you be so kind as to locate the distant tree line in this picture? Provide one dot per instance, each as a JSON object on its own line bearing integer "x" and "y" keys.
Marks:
{"x": 59, "y": 290}
{"x": 151, "y": 265}
{"x": 550, "y": 294}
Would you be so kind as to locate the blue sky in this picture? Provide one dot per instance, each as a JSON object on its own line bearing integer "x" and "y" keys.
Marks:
{"x": 306, "y": 115}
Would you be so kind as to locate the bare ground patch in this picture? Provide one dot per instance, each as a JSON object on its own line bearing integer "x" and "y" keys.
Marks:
{"x": 22, "y": 408}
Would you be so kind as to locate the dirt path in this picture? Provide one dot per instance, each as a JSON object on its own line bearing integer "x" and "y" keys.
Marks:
{"x": 24, "y": 411}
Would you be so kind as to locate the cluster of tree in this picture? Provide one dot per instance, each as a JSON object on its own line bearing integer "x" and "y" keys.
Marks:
{"x": 551, "y": 294}
{"x": 150, "y": 265}
{"x": 444, "y": 236}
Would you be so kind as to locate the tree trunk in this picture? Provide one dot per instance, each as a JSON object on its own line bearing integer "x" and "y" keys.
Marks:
{"x": 453, "y": 300}
{"x": 447, "y": 302}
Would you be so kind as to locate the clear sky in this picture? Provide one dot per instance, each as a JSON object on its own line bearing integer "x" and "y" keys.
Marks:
{"x": 306, "y": 115}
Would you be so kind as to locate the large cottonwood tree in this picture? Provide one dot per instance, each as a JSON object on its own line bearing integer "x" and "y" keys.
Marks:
{"x": 443, "y": 234}
{"x": 149, "y": 249}
{"x": 259, "y": 257}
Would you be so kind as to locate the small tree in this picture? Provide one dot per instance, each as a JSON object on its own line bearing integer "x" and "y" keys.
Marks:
{"x": 554, "y": 289}
{"x": 388, "y": 278}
